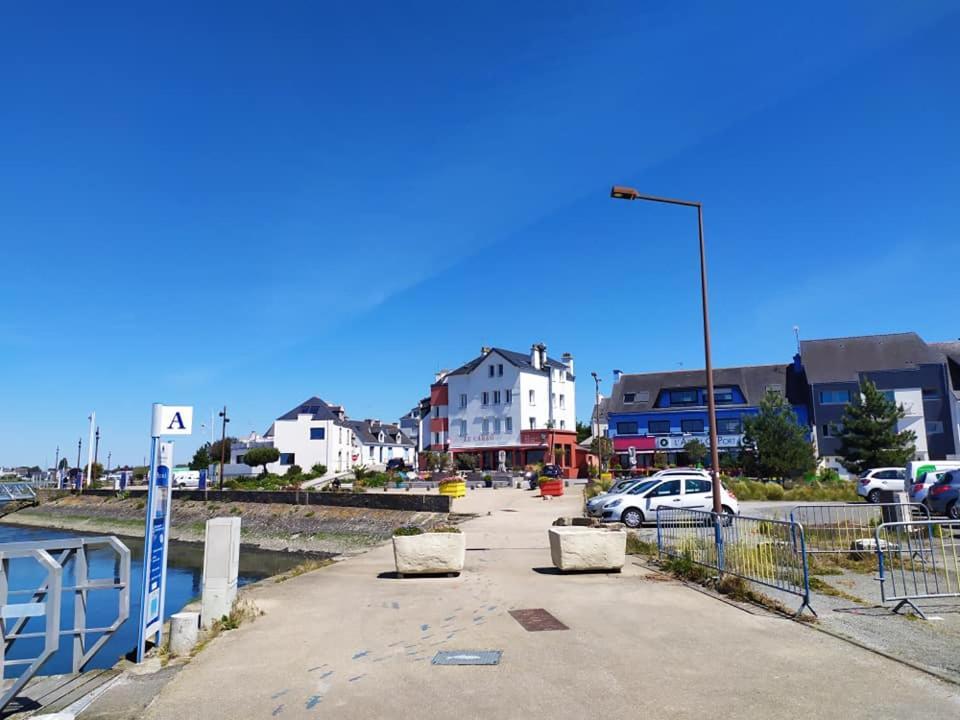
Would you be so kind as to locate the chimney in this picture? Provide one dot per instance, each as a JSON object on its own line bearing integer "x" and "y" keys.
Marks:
{"x": 440, "y": 376}
{"x": 543, "y": 354}
{"x": 617, "y": 374}
{"x": 535, "y": 356}
{"x": 484, "y": 349}
{"x": 568, "y": 361}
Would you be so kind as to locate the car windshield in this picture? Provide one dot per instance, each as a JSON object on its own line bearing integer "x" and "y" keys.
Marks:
{"x": 643, "y": 487}
{"x": 864, "y": 474}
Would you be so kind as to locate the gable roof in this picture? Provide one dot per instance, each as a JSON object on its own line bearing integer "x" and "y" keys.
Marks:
{"x": 843, "y": 359}
{"x": 368, "y": 433}
{"x": 517, "y": 359}
{"x": 312, "y": 406}
{"x": 950, "y": 349}
{"x": 752, "y": 381}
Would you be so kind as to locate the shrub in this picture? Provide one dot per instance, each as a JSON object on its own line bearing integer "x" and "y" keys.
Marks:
{"x": 829, "y": 475}
{"x": 319, "y": 469}
{"x": 446, "y": 529}
{"x": 774, "y": 492}
{"x": 407, "y": 530}
{"x": 294, "y": 470}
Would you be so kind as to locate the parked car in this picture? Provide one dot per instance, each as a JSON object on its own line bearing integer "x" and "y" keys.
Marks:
{"x": 186, "y": 479}
{"x": 919, "y": 489}
{"x": 689, "y": 492}
{"x": 944, "y": 496}
{"x": 396, "y": 465}
{"x": 875, "y": 480}
{"x": 596, "y": 503}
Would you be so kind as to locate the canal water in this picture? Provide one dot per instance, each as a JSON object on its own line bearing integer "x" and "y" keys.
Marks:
{"x": 185, "y": 570}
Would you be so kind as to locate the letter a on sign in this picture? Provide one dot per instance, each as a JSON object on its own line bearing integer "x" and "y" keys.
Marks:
{"x": 172, "y": 420}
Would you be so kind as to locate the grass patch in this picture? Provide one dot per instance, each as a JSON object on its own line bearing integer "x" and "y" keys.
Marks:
{"x": 835, "y": 563}
{"x": 824, "y": 588}
{"x": 636, "y": 546}
{"x": 304, "y": 567}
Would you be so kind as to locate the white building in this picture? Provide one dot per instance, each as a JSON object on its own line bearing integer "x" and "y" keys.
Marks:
{"x": 507, "y": 401}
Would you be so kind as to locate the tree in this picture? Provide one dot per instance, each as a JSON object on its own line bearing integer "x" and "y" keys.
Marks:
{"x": 261, "y": 456}
{"x": 583, "y": 431}
{"x": 869, "y": 437}
{"x": 467, "y": 461}
{"x": 201, "y": 458}
{"x": 213, "y": 449}
{"x": 96, "y": 471}
{"x": 63, "y": 464}
{"x": 604, "y": 444}
{"x": 140, "y": 473}
{"x": 776, "y": 442}
{"x": 696, "y": 451}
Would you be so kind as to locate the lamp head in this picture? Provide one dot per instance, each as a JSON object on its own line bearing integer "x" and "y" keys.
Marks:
{"x": 622, "y": 192}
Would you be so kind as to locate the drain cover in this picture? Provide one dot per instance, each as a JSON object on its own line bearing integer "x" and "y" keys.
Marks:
{"x": 467, "y": 657}
{"x": 537, "y": 619}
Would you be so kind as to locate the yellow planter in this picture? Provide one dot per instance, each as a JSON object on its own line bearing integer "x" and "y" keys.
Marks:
{"x": 454, "y": 489}
{"x": 606, "y": 476}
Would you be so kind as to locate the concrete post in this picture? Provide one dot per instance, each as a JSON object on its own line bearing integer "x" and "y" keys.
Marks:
{"x": 184, "y": 628}
{"x": 221, "y": 559}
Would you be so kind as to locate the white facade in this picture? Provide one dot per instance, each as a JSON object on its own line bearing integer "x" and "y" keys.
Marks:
{"x": 307, "y": 441}
{"x": 490, "y": 405}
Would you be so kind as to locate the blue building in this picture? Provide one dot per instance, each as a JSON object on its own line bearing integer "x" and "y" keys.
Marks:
{"x": 661, "y": 412}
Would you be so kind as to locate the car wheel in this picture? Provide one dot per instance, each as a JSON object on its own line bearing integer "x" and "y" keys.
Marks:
{"x": 181, "y": 486}
{"x": 873, "y": 496}
{"x": 727, "y": 516}
{"x": 632, "y": 518}
{"x": 953, "y": 512}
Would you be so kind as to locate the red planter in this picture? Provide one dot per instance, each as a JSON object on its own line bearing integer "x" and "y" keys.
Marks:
{"x": 551, "y": 487}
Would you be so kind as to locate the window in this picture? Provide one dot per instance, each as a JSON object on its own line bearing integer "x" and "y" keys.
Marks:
{"x": 729, "y": 426}
{"x": 318, "y": 433}
{"x": 691, "y": 426}
{"x": 500, "y": 370}
{"x": 533, "y": 397}
{"x": 507, "y": 396}
{"x": 553, "y": 399}
{"x": 533, "y": 423}
{"x": 463, "y": 400}
{"x": 643, "y": 396}
{"x": 775, "y": 388}
{"x": 496, "y": 397}
{"x": 626, "y": 428}
{"x": 287, "y": 459}
{"x": 832, "y": 429}
{"x": 485, "y": 398}
{"x": 563, "y": 402}
{"x": 834, "y": 397}
{"x": 629, "y": 398}
{"x": 934, "y": 427}
{"x": 658, "y": 427}
{"x": 485, "y": 425}
{"x": 371, "y": 451}
{"x": 463, "y": 428}
{"x": 697, "y": 485}
{"x": 723, "y": 396}
{"x": 563, "y": 424}
{"x": 491, "y": 370}
{"x": 671, "y": 487}
{"x": 496, "y": 426}
{"x": 683, "y": 397}
{"x": 508, "y": 424}
{"x": 436, "y": 411}
{"x": 240, "y": 459}
{"x": 931, "y": 393}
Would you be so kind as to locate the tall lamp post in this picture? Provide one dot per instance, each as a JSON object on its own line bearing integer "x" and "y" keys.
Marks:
{"x": 596, "y": 410}
{"x": 620, "y": 192}
{"x": 223, "y": 443}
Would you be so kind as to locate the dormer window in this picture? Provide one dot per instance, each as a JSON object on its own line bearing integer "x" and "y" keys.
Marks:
{"x": 380, "y": 437}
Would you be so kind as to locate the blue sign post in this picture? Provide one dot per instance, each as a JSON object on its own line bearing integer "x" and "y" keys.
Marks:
{"x": 203, "y": 480}
{"x": 166, "y": 421}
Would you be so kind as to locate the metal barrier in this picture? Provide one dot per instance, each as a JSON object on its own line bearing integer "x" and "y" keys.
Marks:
{"x": 918, "y": 560}
{"x": 17, "y": 492}
{"x": 760, "y": 550}
{"x": 54, "y": 557}
{"x": 833, "y": 528}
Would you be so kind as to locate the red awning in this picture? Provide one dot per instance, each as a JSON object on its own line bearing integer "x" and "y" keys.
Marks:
{"x": 640, "y": 443}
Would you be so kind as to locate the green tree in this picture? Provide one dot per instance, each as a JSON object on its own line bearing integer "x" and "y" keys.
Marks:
{"x": 776, "y": 442}
{"x": 261, "y": 456}
{"x": 214, "y": 449}
{"x": 467, "y": 461}
{"x": 294, "y": 470}
{"x": 140, "y": 473}
{"x": 63, "y": 464}
{"x": 201, "y": 458}
{"x": 869, "y": 437}
{"x": 96, "y": 471}
{"x": 696, "y": 451}
{"x": 583, "y": 431}
{"x": 319, "y": 469}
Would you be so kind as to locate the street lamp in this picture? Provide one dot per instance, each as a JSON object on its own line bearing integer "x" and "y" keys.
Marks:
{"x": 596, "y": 410}
{"x": 621, "y": 192}
{"x": 223, "y": 443}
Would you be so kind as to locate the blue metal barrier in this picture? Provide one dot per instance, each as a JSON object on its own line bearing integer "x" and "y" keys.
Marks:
{"x": 767, "y": 552}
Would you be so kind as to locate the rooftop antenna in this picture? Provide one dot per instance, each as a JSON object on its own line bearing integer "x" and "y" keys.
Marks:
{"x": 796, "y": 334}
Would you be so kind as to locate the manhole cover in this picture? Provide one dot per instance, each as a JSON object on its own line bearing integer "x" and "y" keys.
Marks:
{"x": 537, "y": 619}
{"x": 467, "y": 657}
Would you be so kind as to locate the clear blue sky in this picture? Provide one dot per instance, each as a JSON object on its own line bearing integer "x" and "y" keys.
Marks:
{"x": 253, "y": 203}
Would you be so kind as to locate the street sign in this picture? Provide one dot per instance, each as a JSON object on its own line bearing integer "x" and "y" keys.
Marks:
{"x": 171, "y": 420}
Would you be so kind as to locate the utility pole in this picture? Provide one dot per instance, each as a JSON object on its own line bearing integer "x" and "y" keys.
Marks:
{"x": 56, "y": 468}
{"x": 109, "y": 456}
{"x": 596, "y": 381}
{"x": 223, "y": 443}
{"x": 96, "y": 451}
{"x": 79, "y": 445}
{"x": 86, "y": 480}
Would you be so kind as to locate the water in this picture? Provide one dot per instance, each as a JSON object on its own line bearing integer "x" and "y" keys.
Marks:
{"x": 185, "y": 568}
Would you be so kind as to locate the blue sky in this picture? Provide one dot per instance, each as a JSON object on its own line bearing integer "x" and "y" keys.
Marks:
{"x": 250, "y": 205}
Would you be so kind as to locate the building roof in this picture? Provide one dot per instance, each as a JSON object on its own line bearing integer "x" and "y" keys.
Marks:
{"x": 604, "y": 408}
{"x": 312, "y": 406}
{"x": 368, "y": 433}
{"x": 843, "y": 359}
{"x": 752, "y": 381}
{"x": 520, "y": 360}
{"x": 950, "y": 349}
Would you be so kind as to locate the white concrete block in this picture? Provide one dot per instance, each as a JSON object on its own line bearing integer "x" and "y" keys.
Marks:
{"x": 429, "y": 553}
{"x": 583, "y": 548}
{"x": 221, "y": 561}
{"x": 184, "y": 629}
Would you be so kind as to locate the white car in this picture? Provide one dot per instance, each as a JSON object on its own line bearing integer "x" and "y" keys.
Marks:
{"x": 596, "y": 503}
{"x": 689, "y": 492}
{"x": 875, "y": 480}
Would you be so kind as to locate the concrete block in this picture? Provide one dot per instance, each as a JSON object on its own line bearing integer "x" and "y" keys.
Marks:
{"x": 221, "y": 562}
{"x": 184, "y": 629}
{"x": 584, "y": 548}
{"x": 429, "y": 553}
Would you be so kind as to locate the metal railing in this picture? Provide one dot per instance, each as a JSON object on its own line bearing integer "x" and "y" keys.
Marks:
{"x": 759, "y": 550}
{"x": 918, "y": 560}
{"x": 45, "y": 601}
{"x": 17, "y": 492}
{"x": 833, "y": 528}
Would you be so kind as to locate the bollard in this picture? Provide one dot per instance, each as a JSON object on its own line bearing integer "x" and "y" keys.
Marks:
{"x": 221, "y": 558}
{"x": 184, "y": 627}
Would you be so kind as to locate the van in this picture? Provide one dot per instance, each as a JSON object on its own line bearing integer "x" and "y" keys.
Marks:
{"x": 186, "y": 479}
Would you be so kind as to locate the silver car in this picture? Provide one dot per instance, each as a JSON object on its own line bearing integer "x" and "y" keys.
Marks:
{"x": 918, "y": 489}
